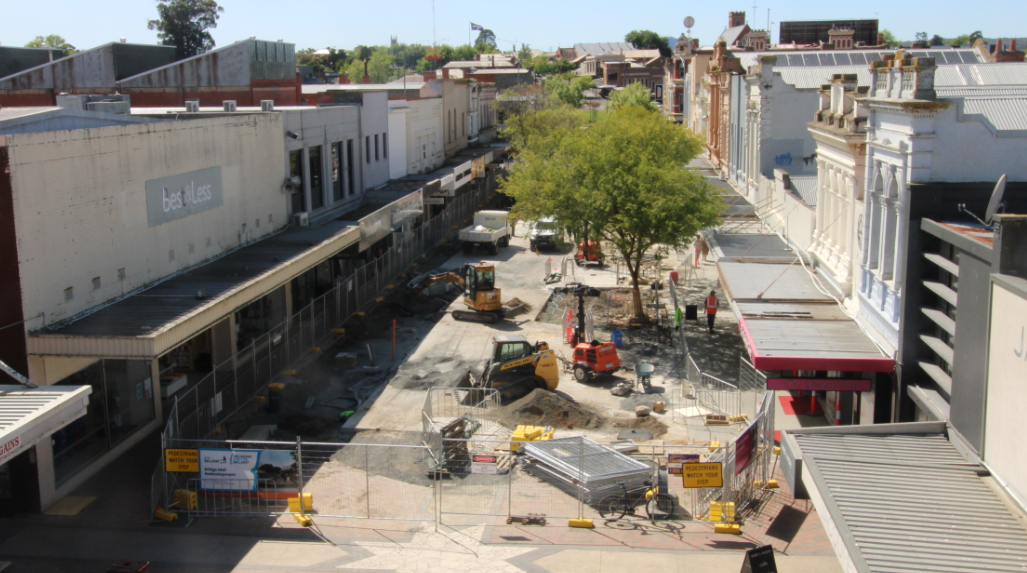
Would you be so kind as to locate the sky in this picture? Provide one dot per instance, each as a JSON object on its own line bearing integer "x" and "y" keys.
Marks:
{"x": 543, "y": 25}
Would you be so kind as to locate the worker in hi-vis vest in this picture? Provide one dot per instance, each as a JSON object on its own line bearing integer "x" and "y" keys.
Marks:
{"x": 711, "y": 309}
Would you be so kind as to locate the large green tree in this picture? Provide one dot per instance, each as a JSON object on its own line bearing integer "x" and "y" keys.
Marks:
{"x": 184, "y": 24}
{"x": 380, "y": 65}
{"x": 889, "y": 38}
{"x": 649, "y": 40}
{"x": 52, "y": 41}
{"x": 623, "y": 177}
{"x": 634, "y": 94}
{"x": 569, "y": 90}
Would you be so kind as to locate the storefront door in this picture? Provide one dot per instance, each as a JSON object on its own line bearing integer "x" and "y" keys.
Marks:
{"x": 19, "y": 485}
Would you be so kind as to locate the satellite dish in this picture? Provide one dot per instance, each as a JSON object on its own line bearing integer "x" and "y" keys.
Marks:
{"x": 996, "y": 199}
{"x": 689, "y": 21}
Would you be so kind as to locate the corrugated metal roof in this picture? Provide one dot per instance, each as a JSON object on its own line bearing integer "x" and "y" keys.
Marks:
{"x": 815, "y": 76}
{"x": 805, "y": 186}
{"x": 753, "y": 247}
{"x": 1004, "y": 114}
{"x": 170, "y": 301}
{"x": 909, "y": 503}
{"x": 731, "y": 35}
{"x": 775, "y": 282}
{"x": 789, "y": 311}
{"x": 598, "y": 48}
{"x": 811, "y": 338}
{"x": 1002, "y": 74}
{"x": 981, "y": 91}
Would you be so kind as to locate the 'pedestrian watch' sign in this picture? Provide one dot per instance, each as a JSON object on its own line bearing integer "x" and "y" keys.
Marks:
{"x": 702, "y": 475}
{"x": 177, "y": 460}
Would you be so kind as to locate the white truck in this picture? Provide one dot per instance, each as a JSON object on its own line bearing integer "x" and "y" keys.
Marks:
{"x": 490, "y": 230}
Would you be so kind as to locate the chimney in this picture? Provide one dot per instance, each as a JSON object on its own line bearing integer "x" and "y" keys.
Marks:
{"x": 1012, "y": 45}
{"x": 366, "y": 80}
{"x": 880, "y": 39}
{"x": 736, "y": 19}
{"x": 445, "y": 73}
{"x": 429, "y": 76}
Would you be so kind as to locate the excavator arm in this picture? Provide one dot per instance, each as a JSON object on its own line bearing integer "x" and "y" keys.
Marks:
{"x": 451, "y": 278}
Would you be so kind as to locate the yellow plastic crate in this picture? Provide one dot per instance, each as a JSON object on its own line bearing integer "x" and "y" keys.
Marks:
{"x": 186, "y": 498}
{"x": 308, "y": 503}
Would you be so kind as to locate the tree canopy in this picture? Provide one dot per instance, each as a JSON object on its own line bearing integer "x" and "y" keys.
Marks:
{"x": 380, "y": 66}
{"x": 649, "y": 40}
{"x": 936, "y": 40}
{"x": 621, "y": 179}
{"x": 51, "y": 41}
{"x": 634, "y": 94}
{"x": 966, "y": 39}
{"x": 486, "y": 39}
{"x": 184, "y": 24}
{"x": 569, "y": 90}
{"x": 889, "y": 38}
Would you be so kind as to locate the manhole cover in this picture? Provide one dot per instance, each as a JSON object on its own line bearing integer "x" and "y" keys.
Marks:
{"x": 635, "y": 435}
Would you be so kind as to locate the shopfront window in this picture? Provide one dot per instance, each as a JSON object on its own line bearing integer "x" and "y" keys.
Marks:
{"x": 120, "y": 404}
{"x": 337, "y": 172}
{"x": 296, "y": 170}
{"x": 311, "y": 284}
{"x": 317, "y": 199}
{"x": 259, "y": 318}
{"x": 350, "y": 184}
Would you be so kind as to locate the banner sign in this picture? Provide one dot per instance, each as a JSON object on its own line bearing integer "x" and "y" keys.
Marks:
{"x": 177, "y": 196}
{"x": 229, "y": 470}
{"x": 820, "y": 384}
{"x": 745, "y": 448}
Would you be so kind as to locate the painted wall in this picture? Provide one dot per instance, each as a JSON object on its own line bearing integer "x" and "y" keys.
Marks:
{"x": 374, "y": 121}
{"x": 1007, "y": 386}
{"x": 425, "y": 136}
{"x": 965, "y": 149}
{"x": 80, "y": 205}
{"x": 456, "y": 107}
{"x": 397, "y": 138}
{"x": 322, "y": 127}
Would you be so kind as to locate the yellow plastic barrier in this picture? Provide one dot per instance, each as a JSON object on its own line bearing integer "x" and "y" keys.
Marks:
{"x": 308, "y": 503}
{"x": 161, "y": 513}
{"x": 583, "y": 523}
{"x": 732, "y": 528}
{"x": 186, "y": 498}
{"x": 303, "y": 520}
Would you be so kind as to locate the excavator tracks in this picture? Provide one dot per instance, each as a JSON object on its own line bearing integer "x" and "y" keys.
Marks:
{"x": 473, "y": 316}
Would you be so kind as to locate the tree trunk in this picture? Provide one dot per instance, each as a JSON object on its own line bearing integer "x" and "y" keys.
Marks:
{"x": 636, "y": 295}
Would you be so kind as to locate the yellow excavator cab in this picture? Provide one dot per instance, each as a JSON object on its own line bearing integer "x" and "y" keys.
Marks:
{"x": 517, "y": 367}
{"x": 482, "y": 298}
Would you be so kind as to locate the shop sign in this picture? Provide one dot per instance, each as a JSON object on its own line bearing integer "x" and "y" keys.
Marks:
{"x": 695, "y": 474}
{"x": 759, "y": 560}
{"x": 447, "y": 185}
{"x": 229, "y": 470}
{"x": 406, "y": 209}
{"x": 478, "y": 167}
{"x": 276, "y": 336}
{"x": 820, "y": 384}
{"x": 9, "y": 448}
{"x": 434, "y": 200}
{"x": 674, "y": 462}
{"x": 179, "y": 460}
{"x": 177, "y": 196}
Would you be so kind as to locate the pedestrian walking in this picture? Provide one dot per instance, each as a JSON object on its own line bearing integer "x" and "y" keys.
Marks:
{"x": 677, "y": 318}
{"x": 711, "y": 309}
{"x": 705, "y": 250}
{"x": 696, "y": 264}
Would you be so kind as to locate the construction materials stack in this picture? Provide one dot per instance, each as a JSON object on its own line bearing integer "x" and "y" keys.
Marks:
{"x": 581, "y": 466}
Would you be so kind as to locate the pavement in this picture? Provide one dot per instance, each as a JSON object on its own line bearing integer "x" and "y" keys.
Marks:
{"x": 116, "y": 525}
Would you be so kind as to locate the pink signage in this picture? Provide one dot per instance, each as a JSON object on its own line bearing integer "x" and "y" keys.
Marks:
{"x": 821, "y": 384}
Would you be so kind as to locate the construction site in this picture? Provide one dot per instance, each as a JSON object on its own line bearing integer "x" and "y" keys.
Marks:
{"x": 515, "y": 387}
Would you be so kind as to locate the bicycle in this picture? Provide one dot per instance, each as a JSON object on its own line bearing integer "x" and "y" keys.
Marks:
{"x": 658, "y": 506}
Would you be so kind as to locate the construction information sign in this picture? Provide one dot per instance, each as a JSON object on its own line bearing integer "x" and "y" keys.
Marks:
{"x": 675, "y": 461}
{"x": 484, "y": 465}
{"x": 702, "y": 475}
{"x": 176, "y": 460}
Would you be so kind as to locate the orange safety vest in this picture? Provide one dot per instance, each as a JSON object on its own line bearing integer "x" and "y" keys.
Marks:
{"x": 711, "y": 305}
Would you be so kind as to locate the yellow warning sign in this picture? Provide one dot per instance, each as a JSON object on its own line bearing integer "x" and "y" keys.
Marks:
{"x": 702, "y": 475}
{"x": 176, "y": 460}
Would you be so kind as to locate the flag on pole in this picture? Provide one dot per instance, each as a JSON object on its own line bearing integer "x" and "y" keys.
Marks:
{"x": 476, "y": 27}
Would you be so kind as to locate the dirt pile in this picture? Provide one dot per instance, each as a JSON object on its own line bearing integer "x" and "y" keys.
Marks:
{"x": 544, "y": 408}
{"x": 655, "y": 426}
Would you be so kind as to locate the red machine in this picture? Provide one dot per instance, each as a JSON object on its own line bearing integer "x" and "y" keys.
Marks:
{"x": 592, "y": 254}
{"x": 595, "y": 359}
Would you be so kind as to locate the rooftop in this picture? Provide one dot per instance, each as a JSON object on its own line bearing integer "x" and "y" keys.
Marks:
{"x": 973, "y": 231}
{"x": 901, "y": 497}
{"x": 150, "y": 321}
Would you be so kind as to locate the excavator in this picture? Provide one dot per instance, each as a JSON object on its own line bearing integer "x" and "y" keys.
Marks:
{"x": 481, "y": 296}
{"x": 517, "y": 367}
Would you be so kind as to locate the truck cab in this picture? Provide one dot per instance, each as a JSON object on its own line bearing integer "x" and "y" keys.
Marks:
{"x": 544, "y": 234}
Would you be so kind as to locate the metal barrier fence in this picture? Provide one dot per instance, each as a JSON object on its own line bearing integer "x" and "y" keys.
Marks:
{"x": 198, "y": 410}
{"x": 354, "y": 480}
{"x": 219, "y": 395}
{"x": 508, "y": 487}
{"x": 444, "y": 405}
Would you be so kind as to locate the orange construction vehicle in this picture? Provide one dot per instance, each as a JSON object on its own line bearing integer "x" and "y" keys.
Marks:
{"x": 592, "y": 254}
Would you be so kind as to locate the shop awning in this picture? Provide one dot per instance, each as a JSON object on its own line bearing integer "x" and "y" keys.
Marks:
{"x": 901, "y": 497}
{"x": 151, "y": 322}
{"x": 28, "y": 415}
{"x": 788, "y": 323}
